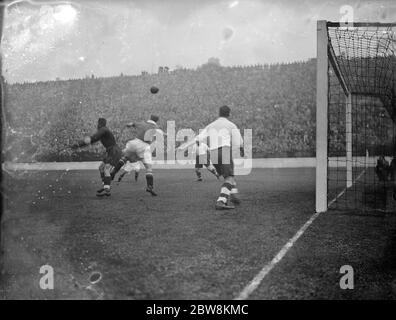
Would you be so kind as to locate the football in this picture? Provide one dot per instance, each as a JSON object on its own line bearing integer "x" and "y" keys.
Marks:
{"x": 154, "y": 90}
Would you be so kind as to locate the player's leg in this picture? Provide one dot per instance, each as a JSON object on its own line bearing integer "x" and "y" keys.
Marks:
{"x": 126, "y": 154}
{"x": 150, "y": 179}
{"x": 137, "y": 170}
{"x": 126, "y": 169}
{"x": 107, "y": 178}
{"x": 224, "y": 167}
{"x": 222, "y": 202}
{"x": 123, "y": 160}
{"x": 101, "y": 172}
{"x": 106, "y": 181}
{"x": 198, "y": 173}
{"x": 229, "y": 191}
{"x": 198, "y": 167}
{"x": 212, "y": 169}
{"x": 147, "y": 162}
{"x": 210, "y": 166}
{"x": 234, "y": 192}
{"x": 122, "y": 174}
{"x": 112, "y": 158}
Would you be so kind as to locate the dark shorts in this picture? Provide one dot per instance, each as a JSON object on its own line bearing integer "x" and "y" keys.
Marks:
{"x": 113, "y": 155}
{"x": 222, "y": 161}
{"x": 201, "y": 160}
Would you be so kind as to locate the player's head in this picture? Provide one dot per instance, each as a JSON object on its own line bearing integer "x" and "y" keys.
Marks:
{"x": 154, "y": 118}
{"x": 197, "y": 142}
{"x": 101, "y": 122}
{"x": 224, "y": 111}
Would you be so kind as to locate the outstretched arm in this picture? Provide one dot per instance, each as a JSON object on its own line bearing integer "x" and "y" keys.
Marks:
{"x": 81, "y": 143}
{"x": 200, "y": 137}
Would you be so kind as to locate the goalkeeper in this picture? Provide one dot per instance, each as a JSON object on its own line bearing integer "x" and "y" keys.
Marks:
{"x": 111, "y": 158}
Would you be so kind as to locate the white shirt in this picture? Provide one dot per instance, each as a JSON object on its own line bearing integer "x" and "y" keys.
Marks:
{"x": 222, "y": 133}
{"x": 202, "y": 149}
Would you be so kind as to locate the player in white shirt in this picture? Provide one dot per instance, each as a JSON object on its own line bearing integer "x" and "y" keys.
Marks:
{"x": 202, "y": 158}
{"x": 224, "y": 140}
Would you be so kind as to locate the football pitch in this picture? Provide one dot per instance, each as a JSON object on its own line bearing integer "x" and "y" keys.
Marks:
{"x": 176, "y": 246}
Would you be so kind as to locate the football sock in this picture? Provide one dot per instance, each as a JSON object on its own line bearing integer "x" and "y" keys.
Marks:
{"x": 225, "y": 192}
{"x": 107, "y": 182}
{"x": 234, "y": 189}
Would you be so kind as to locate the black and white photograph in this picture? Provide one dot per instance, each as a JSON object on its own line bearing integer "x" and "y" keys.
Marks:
{"x": 202, "y": 151}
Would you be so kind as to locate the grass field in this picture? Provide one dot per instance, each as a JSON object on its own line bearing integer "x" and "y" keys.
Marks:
{"x": 176, "y": 246}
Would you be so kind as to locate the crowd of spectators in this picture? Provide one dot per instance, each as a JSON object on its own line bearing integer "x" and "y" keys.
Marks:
{"x": 276, "y": 101}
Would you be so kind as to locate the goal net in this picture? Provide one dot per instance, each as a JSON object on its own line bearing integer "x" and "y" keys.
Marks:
{"x": 356, "y": 146}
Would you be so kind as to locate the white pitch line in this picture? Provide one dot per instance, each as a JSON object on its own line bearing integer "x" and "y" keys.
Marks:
{"x": 252, "y": 286}
{"x": 248, "y": 290}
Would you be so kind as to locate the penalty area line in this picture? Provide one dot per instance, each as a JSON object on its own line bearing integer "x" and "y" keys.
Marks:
{"x": 253, "y": 285}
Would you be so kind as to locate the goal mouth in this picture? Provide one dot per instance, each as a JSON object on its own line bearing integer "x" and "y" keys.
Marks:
{"x": 356, "y": 78}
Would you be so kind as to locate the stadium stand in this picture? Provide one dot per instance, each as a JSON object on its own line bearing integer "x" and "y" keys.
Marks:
{"x": 276, "y": 101}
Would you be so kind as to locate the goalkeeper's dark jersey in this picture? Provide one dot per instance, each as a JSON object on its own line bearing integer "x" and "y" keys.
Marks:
{"x": 105, "y": 136}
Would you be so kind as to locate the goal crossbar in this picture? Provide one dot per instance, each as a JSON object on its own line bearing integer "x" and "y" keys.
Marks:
{"x": 360, "y": 24}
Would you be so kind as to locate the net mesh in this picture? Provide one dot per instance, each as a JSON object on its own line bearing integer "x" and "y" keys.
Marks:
{"x": 361, "y": 113}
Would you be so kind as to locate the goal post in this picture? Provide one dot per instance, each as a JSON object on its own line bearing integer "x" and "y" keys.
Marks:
{"x": 355, "y": 116}
{"x": 321, "y": 116}
{"x": 348, "y": 139}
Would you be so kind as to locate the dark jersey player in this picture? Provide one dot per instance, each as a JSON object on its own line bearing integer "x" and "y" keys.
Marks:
{"x": 111, "y": 158}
